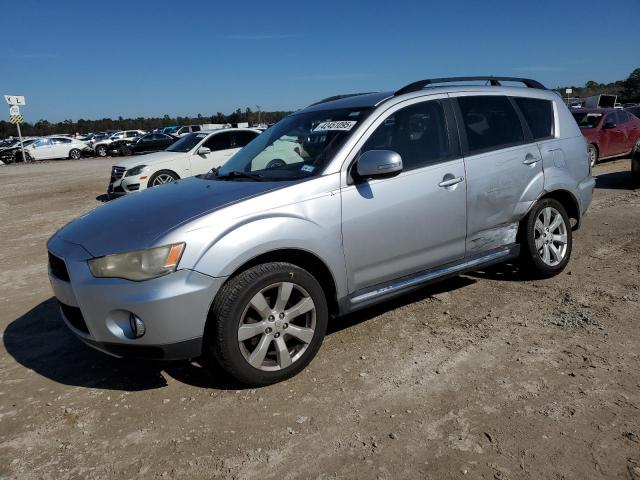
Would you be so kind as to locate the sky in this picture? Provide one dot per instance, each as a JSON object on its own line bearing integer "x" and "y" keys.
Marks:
{"x": 78, "y": 59}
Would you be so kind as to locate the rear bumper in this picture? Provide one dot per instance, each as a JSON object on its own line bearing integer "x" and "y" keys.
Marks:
{"x": 585, "y": 194}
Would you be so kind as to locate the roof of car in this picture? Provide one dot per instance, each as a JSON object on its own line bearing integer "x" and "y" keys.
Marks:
{"x": 594, "y": 110}
{"x": 373, "y": 99}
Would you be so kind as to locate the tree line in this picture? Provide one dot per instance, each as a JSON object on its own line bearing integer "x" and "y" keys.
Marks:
{"x": 628, "y": 91}
{"x": 44, "y": 127}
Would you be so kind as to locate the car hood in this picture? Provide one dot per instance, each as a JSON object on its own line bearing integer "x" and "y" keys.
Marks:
{"x": 135, "y": 222}
{"x": 150, "y": 159}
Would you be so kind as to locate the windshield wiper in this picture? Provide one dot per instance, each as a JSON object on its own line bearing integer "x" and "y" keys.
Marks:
{"x": 232, "y": 175}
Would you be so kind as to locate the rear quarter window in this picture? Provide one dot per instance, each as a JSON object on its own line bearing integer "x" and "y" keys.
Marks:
{"x": 538, "y": 114}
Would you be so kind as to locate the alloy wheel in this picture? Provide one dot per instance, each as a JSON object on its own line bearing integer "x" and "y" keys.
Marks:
{"x": 162, "y": 179}
{"x": 277, "y": 326}
{"x": 550, "y": 233}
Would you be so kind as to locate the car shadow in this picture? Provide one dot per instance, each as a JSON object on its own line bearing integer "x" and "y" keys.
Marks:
{"x": 103, "y": 198}
{"x": 361, "y": 316}
{"x": 617, "y": 181}
{"x": 40, "y": 341}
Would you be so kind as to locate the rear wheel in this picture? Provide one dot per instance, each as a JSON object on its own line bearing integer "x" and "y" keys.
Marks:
{"x": 593, "y": 154}
{"x": 546, "y": 240}
{"x": 101, "y": 150}
{"x": 267, "y": 323}
{"x": 75, "y": 154}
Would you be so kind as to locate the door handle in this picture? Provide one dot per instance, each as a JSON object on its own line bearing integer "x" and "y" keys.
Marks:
{"x": 450, "y": 182}
{"x": 530, "y": 159}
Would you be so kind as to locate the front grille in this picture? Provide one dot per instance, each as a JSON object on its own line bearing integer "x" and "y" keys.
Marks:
{"x": 58, "y": 268}
{"x": 74, "y": 317}
{"x": 116, "y": 173}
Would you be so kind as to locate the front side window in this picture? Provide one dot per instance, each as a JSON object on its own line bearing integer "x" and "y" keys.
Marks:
{"x": 538, "y": 114}
{"x": 490, "y": 122}
{"x": 187, "y": 142}
{"x": 587, "y": 119}
{"x": 417, "y": 132}
{"x": 298, "y": 146}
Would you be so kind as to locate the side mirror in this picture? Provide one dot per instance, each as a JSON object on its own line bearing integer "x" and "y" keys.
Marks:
{"x": 204, "y": 150}
{"x": 609, "y": 125}
{"x": 378, "y": 163}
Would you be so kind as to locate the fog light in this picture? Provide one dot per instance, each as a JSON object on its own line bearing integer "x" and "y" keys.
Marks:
{"x": 137, "y": 325}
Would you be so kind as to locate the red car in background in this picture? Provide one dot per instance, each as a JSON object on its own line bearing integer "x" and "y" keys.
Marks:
{"x": 610, "y": 132}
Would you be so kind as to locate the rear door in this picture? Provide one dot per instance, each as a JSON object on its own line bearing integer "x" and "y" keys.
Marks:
{"x": 503, "y": 168}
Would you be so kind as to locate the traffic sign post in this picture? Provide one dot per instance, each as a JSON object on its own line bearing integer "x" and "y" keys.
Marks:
{"x": 16, "y": 118}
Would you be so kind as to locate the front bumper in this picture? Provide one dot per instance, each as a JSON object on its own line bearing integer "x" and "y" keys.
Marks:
{"x": 126, "y": 185}
{"x": 174, "y": 308}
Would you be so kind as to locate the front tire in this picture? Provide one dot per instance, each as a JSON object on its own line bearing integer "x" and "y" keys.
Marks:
{"x": 162, "y": 177}
{"x": 267, "y": 323}
{"x": 547, "y": 239}
{"x": 593, "y": 154}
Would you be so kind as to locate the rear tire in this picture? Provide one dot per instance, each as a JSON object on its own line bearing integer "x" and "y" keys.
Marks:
{"x": 267, "y": 323}
{"x": 546, "y": 240}
{"x": 75, "y": 154}
{"x": 101, "y": 151}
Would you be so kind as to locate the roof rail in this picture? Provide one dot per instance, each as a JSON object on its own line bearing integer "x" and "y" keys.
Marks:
{"x": 494, "y": 81}
{"x": 339, "y": 97}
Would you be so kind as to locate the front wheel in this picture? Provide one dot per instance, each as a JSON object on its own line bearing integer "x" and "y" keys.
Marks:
{"x": 593, "y": 154}
{"x": 267, "y": 323}
{"x": 546, "y": 241}
{"x": 161, "y": 177}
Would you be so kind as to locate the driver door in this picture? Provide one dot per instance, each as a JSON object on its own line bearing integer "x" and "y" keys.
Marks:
{"x": 416, "y": 220}
{"x": 220, "y": 145}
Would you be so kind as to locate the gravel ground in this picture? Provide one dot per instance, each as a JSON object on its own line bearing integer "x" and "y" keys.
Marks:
{"x": 483, "y": 376}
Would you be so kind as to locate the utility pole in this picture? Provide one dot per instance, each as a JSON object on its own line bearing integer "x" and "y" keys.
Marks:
{"x": 259, "y": 107}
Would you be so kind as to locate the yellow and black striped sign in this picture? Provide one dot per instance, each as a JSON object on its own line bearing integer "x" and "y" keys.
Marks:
{"x": 15, "y": 119}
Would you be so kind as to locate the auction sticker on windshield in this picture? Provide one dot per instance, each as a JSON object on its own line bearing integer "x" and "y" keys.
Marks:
{"x": 344, "y": 125}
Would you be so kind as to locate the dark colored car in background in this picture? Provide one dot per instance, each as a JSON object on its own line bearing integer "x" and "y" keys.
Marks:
{"x": 634, "y": 110}
{"x": 151, "y": 142}
{"x": 610, "y": 132}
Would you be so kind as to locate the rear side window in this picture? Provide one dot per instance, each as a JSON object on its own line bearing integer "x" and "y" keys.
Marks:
{"x": 490, "y": 123}
{"x": 243, "y": 137}
{"x": 219, "y": 141}
{"x": 195, "y": 128}
{"x": 417, "y": 132}
{"x": 623, "y": 117}
{"x": 539, "y": 116}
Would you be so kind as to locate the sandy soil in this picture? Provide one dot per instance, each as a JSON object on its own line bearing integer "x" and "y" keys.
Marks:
{"x": 484, "y": 376}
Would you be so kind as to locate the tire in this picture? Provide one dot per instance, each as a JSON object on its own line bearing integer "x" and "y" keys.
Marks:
{"x": 277, "y": 163}
{"x": 593, "y": 154}
{"x": 101, "y": 151}
{"x": 255, "y": 360}
{"x": 545, "y": 247}
{"x": 75, "y": 154}
{"x": 161, "y": 177}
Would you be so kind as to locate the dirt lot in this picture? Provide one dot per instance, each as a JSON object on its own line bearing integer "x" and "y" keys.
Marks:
{"x": 484, "y": 376}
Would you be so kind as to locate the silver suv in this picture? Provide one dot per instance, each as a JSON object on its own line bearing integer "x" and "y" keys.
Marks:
{"x": 341, "y": 205}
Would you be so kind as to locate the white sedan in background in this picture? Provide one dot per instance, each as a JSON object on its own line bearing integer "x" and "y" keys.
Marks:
{"x": 193, "y": 154}
{"x": 56, "y": 147}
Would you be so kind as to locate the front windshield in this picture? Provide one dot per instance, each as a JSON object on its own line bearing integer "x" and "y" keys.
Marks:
{"x": 586, "y": 119}
{"x": 301, "y": 145}
{"x": 187, "y": 142}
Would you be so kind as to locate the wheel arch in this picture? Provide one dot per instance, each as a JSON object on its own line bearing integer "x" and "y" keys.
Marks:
{"x": 568, "y": 201}
{"x": 305, "y": 260}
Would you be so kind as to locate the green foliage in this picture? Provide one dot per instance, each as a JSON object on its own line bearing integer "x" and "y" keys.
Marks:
{"x": 628, "y": 90}
{"x": 44, "y": 127}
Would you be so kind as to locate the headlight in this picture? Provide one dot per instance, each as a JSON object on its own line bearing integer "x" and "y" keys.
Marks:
{"x": 137, "y": 170}
{"x": 140, "y": 265}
